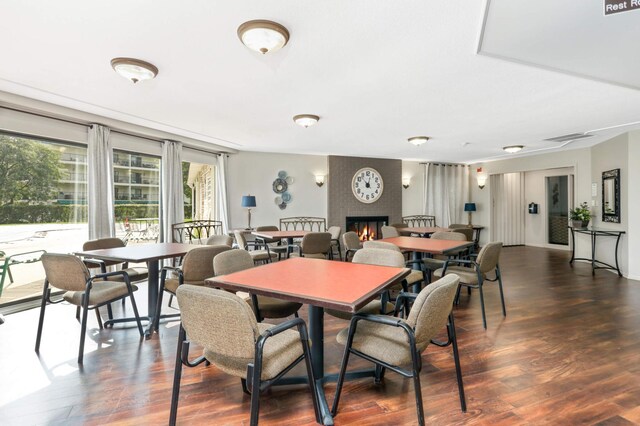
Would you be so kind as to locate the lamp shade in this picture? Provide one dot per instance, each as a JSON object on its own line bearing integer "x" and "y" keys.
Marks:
{"x": 248, "y": 201}
{"x": 469, "y": 207}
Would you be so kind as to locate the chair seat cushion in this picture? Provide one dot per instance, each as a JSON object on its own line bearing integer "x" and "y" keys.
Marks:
{"x": 171, "y": 284}
{"x": 101, "y": 292}
{"x": 372, "y": 307}
{"x": 433, "y": 264}
{"x": 384, "y": 342}
{"x": 279, "y": 352}
{"x": 414, "y": 276}
{"x": 262, "y": 255}
{"x": 467, "y": 275}
{"x": 275, "y": 308}
{"x": 135, "y": 274}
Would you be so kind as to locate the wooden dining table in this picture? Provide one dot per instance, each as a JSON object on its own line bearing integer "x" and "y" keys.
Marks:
{"x": 428, "y": 245}
{"x": 151, "y": 254}
{"x": 319, "y": 283}
{"x": 282, "y": 235}
{"x": 423, "y": 231}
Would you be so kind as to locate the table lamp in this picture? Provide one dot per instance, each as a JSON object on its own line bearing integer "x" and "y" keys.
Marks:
{"x": 248, "y": 201}
{"x": 469, "y": 208}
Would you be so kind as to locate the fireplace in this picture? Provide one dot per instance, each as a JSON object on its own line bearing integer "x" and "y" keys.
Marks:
{"x": 367, "y": 227}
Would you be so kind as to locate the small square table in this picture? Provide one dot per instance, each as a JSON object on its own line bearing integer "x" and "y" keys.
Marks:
{"x": 343, "y": 286}
{"x": 428, "y": 245}
{"x": 288, "y": 235}
{"x": 423, "y": 231}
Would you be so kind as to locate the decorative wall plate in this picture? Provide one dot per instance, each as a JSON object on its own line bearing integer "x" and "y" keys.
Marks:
{"x": 282, "y": 174}
{"x": 289, "y": 180}
{"x": 282, "y": 206}
{"x": 279, "y": 186}
{"x": 278, "y": 200}
{"x": 286, "y": 197}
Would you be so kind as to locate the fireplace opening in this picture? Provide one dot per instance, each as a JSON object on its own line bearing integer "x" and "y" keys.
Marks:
{"x": 367, "y": 227}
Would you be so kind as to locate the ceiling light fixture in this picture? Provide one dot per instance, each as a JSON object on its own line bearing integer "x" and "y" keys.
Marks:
{"x": 418, "y": 140}
{"x": 513, "y": 148}
{"x": 134, "y": 69}
{"x": 306, "y": 120}
{"x": 263, "y": 36}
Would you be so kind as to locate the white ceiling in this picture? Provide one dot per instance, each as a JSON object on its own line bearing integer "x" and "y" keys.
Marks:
{"x": 375, "y": 71}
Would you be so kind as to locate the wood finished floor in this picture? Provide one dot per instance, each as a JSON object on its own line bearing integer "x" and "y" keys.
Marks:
{"x": 568, "y": 352}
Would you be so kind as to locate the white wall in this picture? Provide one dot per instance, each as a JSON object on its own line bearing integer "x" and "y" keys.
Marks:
{"x": 537, "y": 225}
{"x": 254, "y": 172}
{"x": 633, "y": 205}
{"x": 412, "y": 196}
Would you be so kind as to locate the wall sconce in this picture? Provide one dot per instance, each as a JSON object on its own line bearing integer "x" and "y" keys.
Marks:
{"x": 482, "y": 178}
{"x": 406, "y": 182}
{"x": 319, "y": 180}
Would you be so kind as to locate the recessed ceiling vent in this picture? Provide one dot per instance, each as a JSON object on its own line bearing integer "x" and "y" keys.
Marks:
{"x": 571, "y": 137}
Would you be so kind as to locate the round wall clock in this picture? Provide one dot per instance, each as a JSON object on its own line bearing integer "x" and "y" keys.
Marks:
{"x": 367, "y": 185}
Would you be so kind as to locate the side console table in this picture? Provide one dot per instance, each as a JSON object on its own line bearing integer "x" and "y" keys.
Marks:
{"x": 595, "y": 232}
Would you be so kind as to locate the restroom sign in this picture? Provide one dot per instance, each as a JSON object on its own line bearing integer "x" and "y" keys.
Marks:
{"x": 617, "y": 6}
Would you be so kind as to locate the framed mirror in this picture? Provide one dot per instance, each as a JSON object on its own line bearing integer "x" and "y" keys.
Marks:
{"x": 611, "y": 196}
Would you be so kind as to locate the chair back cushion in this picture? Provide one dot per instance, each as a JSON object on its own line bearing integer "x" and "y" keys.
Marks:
{"x": 219, "y": 321}
{"x": 232, "y": 261}
{"x": 103, "y": 243}
{"x": 316, "y": 242}
{"x": 198, "y": 262}
{"x": 219, "y": 240}
{"x": 489, "y": 257}
{"x": 335, "y": 232}
{"x": 381, "y": 257}
{"x": 350, "y": 241}
{"x": 467, "y": 232}
{"x": 267, "y": 228}
{"x": 381, "y": 245}
{"x": 389, "y": 231}
{"x": 446, "y": 235}
{"x": 399, "y": 225}
{"x": 65, "y": 271}
{"x": 240, "y": 239}
{"x": 458, "y": 225}
{"x": 431, "y": 309}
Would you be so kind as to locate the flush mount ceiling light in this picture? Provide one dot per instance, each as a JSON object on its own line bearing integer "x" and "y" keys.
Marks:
{"x": 263, "y": 36}
{"x": 134, "y": 69}
{"x": 513, "y": 148}
{"x": 418, "y": 140}
{"x": 306, "y": 120}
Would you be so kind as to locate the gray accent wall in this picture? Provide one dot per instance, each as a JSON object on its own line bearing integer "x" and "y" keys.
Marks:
{"x": 340, "y": 199}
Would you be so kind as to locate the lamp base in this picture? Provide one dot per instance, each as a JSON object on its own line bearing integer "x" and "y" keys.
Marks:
{"x": 470, "y": 225}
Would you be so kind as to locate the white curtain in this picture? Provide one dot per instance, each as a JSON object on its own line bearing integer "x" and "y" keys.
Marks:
{"x": 100, "y": 183}
{"x": 508, "y": 208}
{"x": 446, "y": 189}
{"x": 172, "y": 189}
{"x": 222, "y": 200}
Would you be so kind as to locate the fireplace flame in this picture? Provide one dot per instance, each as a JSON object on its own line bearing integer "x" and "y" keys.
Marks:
{"x": 366, "y": 234}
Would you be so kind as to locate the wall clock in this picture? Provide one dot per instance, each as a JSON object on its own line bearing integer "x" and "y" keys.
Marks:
{"x": 367, "y": 185}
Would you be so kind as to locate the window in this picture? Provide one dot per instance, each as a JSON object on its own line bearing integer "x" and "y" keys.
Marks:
{"x": 136, "y": 196}
{"x": 199, "y": 193}
{"x": 42, "y": 206}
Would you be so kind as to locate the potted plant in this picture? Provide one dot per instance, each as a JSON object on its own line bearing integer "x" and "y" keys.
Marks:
{"x": 580, "y": 216}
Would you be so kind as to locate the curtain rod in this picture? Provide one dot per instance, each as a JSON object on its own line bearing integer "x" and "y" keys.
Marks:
{"x": 448, "y": 164}
{"x": 90, "y": 125}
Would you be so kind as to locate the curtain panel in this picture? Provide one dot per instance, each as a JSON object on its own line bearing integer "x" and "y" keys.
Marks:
{"x": 446, "y": 189}
{"x": 172, "y": 188}
{"x": 100, "y": 183}
{"x": 222, "y": 200}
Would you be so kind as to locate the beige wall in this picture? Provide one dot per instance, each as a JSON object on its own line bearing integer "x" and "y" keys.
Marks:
{"x": 632, "y": 212}
{"x": 412, "y": 197}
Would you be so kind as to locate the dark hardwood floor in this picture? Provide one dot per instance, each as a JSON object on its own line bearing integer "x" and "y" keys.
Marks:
{"x": 568, "y": 352}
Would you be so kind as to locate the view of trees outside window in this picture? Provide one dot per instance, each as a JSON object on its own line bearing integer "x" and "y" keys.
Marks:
{"x": 42, "y": 206}
{"x": 199, "y": 190}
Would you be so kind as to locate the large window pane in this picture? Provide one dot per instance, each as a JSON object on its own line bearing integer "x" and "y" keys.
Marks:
{"x": 136, "y": 196}
{"x": 42, "y": 207}
{"x": 199, "y": 186}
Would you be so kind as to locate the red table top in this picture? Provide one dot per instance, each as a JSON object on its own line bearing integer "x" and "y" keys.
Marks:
{"x": 138, "y": 253}
{"x": 280, "y": 234}
{"x": 428, "y": 245}
{"x": 342, "y": 286}
{"x": 422, "y": 230}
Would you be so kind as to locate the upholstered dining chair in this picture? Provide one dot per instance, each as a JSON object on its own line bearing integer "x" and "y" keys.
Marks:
{"x": 335, "y": 232}
{"x": 135, "y": 274}
{"x": 351, "y": 244}
{"x": 275, "y": 244}
{"x": 473, "y": 273}
{"x": 219, "y": 240}
{"x": 433, "y": 263}
{"x": 263, "y": 306}
{"x": 416, "y": 276}
{"x": 316, "y": 245}
{"x": 396, "y": 344}
{"x": 259, "y": 353}
{"x": 197, "y": 266}
{"x": 67, "y": 272}
{"x": 259, "y": 256}
{"x": 389, "y": 231}
{"x": 467, "y": 232}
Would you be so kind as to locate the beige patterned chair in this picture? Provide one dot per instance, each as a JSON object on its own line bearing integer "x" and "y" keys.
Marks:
{"x": 259, "y": 256}
{"x": 416, "y": 276}
{"x": 335, "y": 232}
{"x": 197, "y": 266}
{"x": 275, "y": 244}
{"x": 396, "y": 344}
{"x": 315, "y": 245}
{"x": 219, "y": 240}
{"x": 351, "y": 244}
{"x": 67, "y": 272}
{"x": 135, "y": 274}
{"x": 433, "y": 263}
{"x": 389, "y": 231}
{"x": 263, "y": 306}
{"x": 259, "y": 353}
{"x": 473, "y": 274}
{"x": 466, "y": 231}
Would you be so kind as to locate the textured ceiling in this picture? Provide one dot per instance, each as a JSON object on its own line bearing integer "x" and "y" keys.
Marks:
{"x": 375, "y": 71}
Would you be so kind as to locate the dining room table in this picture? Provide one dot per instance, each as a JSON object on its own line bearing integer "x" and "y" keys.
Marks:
{"x": 151, "y": 254}
{"x": 423, "y": 231}
{"x": 282, "y": 235}
{"x": 320, "y": 284}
